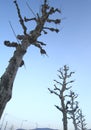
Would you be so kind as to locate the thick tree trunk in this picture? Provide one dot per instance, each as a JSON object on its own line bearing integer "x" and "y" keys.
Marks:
{"x": 7, "y": 79}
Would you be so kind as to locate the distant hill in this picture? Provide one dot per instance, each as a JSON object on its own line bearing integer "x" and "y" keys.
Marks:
{"x": 44, "y": 129}
{"x": 39, "y": 129}
{"x": 20, "y": 129}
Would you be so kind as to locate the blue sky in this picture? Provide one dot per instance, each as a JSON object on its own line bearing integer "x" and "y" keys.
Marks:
{"x": 31, "y": 100}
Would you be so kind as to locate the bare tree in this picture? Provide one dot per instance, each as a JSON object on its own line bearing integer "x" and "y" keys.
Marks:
{"x": 73, "y": 112}
{"x": 81, "y": 121}
{"x": 24, "y": 41}
{"x": 76, "y": 113}
{"x": 60, "y": 89}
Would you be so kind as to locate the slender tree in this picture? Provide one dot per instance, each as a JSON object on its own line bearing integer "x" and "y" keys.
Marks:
{"x": 73, "y": 112}
{"x": 60, "y": 88}
{"x": 25, "y": 41}
{"x": 81, "y": 121}
{"x": 76, "y": 113}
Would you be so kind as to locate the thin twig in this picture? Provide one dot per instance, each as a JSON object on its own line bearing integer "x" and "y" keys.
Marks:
{"x": 13, "y": 31}
{"x": 30, "y": 9}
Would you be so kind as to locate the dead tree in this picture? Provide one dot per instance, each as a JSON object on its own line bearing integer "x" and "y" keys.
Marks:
{"x": 60, "y": 89}
{"x": 25, "y": 41}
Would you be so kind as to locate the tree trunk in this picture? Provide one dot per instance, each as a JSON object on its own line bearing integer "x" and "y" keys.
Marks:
{"x": 7, "y": 79}
{"x": 65, "y": 121}
{"x": 74, "y": 122}
{"x": 65, "y": 125}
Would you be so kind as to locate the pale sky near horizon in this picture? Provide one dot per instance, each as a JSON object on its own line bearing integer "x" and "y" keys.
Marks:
{"x": 31, "y": 101}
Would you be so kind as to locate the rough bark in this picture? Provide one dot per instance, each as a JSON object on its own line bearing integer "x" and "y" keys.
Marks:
{"x": 7, "y": 79}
